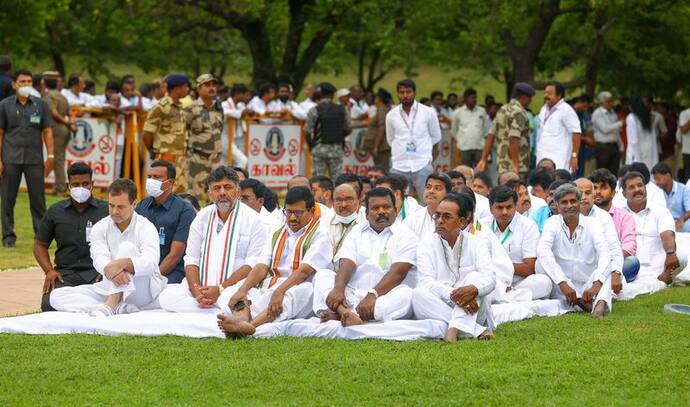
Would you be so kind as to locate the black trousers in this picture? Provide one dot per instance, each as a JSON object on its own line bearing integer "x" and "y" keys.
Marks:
{"x": 607, "y": 156}
{"x": 35, "y": 182}
{"x": 71, "y": 280}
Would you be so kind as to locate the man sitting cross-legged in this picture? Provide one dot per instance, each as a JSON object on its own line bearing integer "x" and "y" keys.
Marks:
{"x": 373, "y": 266}
{"x": 125, "y": 251}
{"x": 225, "y": 241}
{"x": 277, "y": 288}
{"x": 519, "y": 236}
{"x": 455, "y": 278}
{"x": 574, "y": 254}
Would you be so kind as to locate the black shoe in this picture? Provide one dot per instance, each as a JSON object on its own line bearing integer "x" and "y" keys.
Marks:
{"x": 9, "y": 244}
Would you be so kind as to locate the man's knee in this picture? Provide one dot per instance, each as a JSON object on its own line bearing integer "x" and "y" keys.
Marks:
{"x": 126, "y": 249}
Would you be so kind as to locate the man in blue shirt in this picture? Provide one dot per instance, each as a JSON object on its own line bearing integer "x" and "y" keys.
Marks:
{"x": 540, "y": 215}
{"x": 171, "y": 215}
{"x": 677, "y": 196}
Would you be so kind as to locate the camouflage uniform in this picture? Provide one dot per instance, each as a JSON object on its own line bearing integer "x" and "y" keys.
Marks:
{"x": 205, "y": 125}
{"x": 167, "y": 123}
{"x": 58, "y": 102}
{"x": 512, "y": 121}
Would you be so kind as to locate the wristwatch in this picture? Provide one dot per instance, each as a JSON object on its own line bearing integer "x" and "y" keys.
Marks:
{"x": 574, "y": 155}
{"x": 374, "y": 293}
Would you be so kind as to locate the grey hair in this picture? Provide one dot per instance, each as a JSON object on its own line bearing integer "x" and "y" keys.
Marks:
{"x": 566, "y": 189}
{"x": 604, "y": 96}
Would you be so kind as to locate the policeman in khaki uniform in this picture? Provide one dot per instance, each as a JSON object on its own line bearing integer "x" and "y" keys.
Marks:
{"x": 62, "y": 125}
{"x": 165, "y": 130}
{"x": 204, "y": 118}
{"x": 511, "y": 130}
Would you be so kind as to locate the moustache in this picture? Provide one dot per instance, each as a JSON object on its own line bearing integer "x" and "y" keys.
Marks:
{"x": 382, "y": 217}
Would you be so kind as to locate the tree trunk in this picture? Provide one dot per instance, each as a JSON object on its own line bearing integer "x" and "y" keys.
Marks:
{"x": 55, "y": 54}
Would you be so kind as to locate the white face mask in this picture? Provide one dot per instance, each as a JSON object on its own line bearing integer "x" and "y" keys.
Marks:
{"x": 346, "y": 220}
{"x": 79, "y": 194}
{"x": 24, "y": 91}
{"x": 153, "y": 187}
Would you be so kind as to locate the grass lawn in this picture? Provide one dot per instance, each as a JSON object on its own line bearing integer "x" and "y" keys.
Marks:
{"x": 22, "y": 255}
{"x": 637, "y": 356}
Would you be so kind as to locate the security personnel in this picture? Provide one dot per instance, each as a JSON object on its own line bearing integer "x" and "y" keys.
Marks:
{"x": 62, "y": 126}
{"x": 165, "y": 132}
{"x": 204, "y": 118}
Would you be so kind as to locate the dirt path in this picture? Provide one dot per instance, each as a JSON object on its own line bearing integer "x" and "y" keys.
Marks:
{"x": 20, "y": 291}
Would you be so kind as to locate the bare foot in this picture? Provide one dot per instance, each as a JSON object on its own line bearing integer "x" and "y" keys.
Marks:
{"x": 586, "y": 306}
{"x": 452, "y": 335}
{"x": 233, "y": 327}
{"x": 351, "y": 318}
{"x": 329, "y": 316}
{"x": 599, "y": 309}
{"x": 486, "y": 336}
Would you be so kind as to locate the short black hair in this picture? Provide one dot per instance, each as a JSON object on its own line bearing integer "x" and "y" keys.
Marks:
{"x": 469, "y": 92}
{"x": 631, "y": 175}
{"x": 456, "y": 174}
{"x": 242, "y": 170}
{"x": 560, "y": 90}
{"x": 36, "y": 79}
{"x": 255, "y": 185}
{"x": 112, "y": 85}
{"x": 502, "y": 193}
{"x": 396, "y": 182}
{"x": 624, "y": 169}
{"x": 194, "y": 201}
{"x": 222, "y": 172}
{"x": 73, "y": 80}
{"x": 298, "y": 194}
{"x": 485, "y": 178}
{"x": 564, "y": 174}
{"x": 123, "y": 186}
{"x": 642, "y": 169}
{"x": 436, "y": 93}
{"x": 127, "y": 78}
{"x": 238, "y": 88}
{"x": 384, "y": 95}
{"x": 379, "y": 192}
{"x": 285, "y": 85}
{"x": 464, "y": 203}
{"x": 469, "y": 193}
{"x": 378, "y": 168}
{"x": 5, "y": 63}
{"x": 79, "y": 168}
{"x": 515, "y": 183}
{"x": 540, "y": 178}
{"x": 264, "y": 88}
{"x": 347, "y": 178}
{"x": 323, "y": 181}
{"x": 439, "y": 176}
{"x": 270, "y": 200}
{"x": 406, "y": 83}
{"x": 170, "y": 167}
{"x": 662, "y": 168}
{"x": 20, "y": 72}
{"x": 603, "y": 176}
{"x": 51, "y": 82}
{"x": 365, "y": 179}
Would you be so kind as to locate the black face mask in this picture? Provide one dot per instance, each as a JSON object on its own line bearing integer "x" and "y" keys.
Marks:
{"x": 283, "y": 98}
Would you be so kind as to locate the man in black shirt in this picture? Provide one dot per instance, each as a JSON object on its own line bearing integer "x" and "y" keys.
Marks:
{"x": 69, "y": 223}
{"x": 25, "y": 122}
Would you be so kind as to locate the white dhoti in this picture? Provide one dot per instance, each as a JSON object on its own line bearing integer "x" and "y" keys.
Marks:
{"x": 142, "y": 291}
{"x": 428, "y": 304}
{"x": 605, "y": 294}
{"x": 530, "y": 288}
{"x": 297, "y": 302}
{"x": 178, "y": 298}
{"x": 647, "y": 281}
{"x": 395, "y": 304}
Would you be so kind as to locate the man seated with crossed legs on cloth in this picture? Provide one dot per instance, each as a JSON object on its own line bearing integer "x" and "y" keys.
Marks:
{"x": 278, "y": 287}
{"x": 125, "y": 251}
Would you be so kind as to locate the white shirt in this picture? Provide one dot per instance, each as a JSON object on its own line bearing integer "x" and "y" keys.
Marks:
{"x": 576, "y": 259}
{"x": 606, "y": 125}
{"x": 649, "y": 224}
{"x": 500, "y": 262}
{"x": 318, "y": 255}
{"x": 412, "y": 136}
{"x": 420, "y": 223}
{"x": 291, "y": 106}
{"x": 358, "y": 108}
{"x": 469, "y": 127}
{"x": 655, "y": 196}
{"x": 535, "y": 203}
{"x": 410, "y": 207}
{"x": 520, "y": 238}
{"x": 555, "y": 134}
{"x": 270, "y": 220}
{"x": 307, "y": 104}
{"x": 101, "y": 101}
{"x": 259, "y": 106}
{"x": 642, "y": 143}
{"x": 82, "y": 99}
{"x": 482, "y": 208}
{"x": 106, "y": 237}
{"x": 610, "y": 235}
{"x": 374, "y": 253}
{"x": 436, "y": 263}
{"x": 234, "y": 110}
{"x": 683, "y": 138}
{"x": 253, "y": 235}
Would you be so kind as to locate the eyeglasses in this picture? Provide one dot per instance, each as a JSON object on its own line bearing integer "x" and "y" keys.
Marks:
{"x": 446, "y": 217}
{"x": 288, "y": 213}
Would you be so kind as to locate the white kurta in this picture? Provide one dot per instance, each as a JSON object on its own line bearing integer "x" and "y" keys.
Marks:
{"x": 439, "y": 275}
{"x": 579, "y": 260}
{"x": 642, "y": 143}
{"x": 140, "y": 243}
{"x": 373, "y": 254}
{"x": 555, "y": 133}
{"x": 420, "y": 223}
{"x": 252, "y": 235}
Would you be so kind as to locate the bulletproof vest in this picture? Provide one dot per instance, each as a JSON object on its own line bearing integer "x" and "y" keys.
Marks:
{"x": 332, "y": 123}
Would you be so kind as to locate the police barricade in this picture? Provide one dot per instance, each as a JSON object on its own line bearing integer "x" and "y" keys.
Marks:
{"x": 442, "y": 162}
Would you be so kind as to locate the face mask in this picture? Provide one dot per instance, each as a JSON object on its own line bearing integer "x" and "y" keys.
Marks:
{"x": 79, "y": 194}
{"x": 347, "y": 219}
{"x": 283, "y": 98}
{"x": 24, "y": 91}
{"x": 153, "y": 187}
